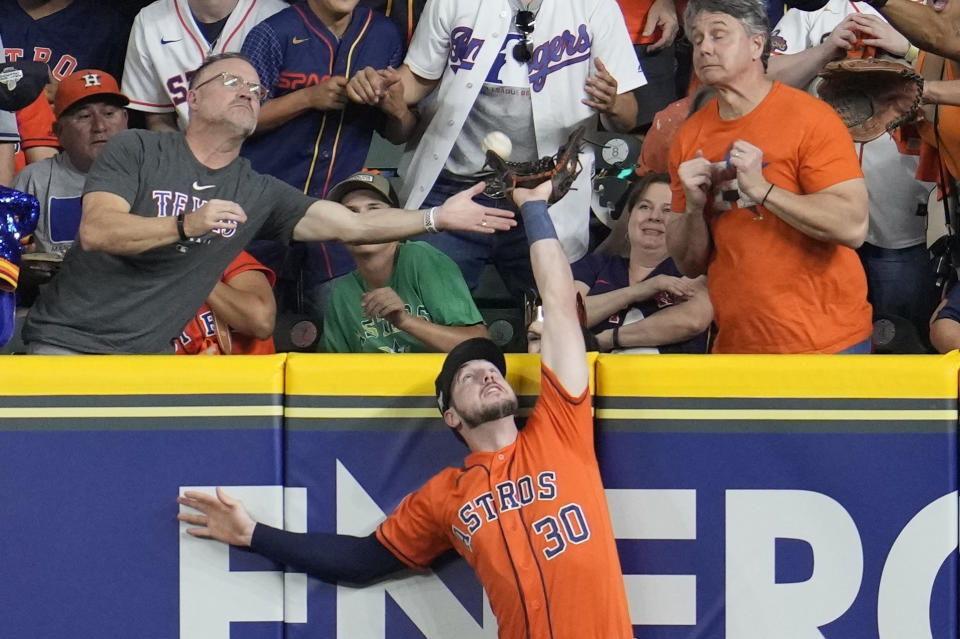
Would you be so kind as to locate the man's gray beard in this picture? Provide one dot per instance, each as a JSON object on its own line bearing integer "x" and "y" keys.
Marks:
{"x": 491, "y": 412}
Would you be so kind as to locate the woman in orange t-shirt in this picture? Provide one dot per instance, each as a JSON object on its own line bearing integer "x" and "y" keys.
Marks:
{"x": 771, "y": 196}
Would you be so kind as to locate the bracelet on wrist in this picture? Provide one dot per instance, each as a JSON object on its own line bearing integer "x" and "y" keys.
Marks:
{"x": 911, "y": 54}
{"x": 430, "y": 220}
{"x": 180, "y": 230}
{"x": 616, "y": 338}
{"x": 877, "y": 4}
{"x": 766, "y": 195}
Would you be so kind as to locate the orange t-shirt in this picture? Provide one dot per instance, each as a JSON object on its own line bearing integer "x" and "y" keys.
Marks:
{"x": 532, "y": 520}
{"x": 635, "y": 15}
{"x": 947, "y": 134}
{"x": 774, "y": 289}
{"x": 199, "y": 337}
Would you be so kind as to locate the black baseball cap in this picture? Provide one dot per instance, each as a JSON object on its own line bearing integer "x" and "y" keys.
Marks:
{"x": 364, "y": 180}
{"x": 469, "y": 350}
{"x": 20, "y": 83}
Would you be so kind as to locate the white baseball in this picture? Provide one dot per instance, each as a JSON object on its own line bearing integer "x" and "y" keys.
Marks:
{"x": 499, "y": 143}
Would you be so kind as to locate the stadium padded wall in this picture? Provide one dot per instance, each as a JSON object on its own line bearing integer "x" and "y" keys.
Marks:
{"x": 787, "y": 496}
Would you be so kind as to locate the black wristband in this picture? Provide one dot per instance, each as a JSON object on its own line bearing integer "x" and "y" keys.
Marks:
{"x": 180, "y": 230}
{"x": 877, "y": 4}
{"x": 766, "y": 195}
{"x": 616, "y": 338}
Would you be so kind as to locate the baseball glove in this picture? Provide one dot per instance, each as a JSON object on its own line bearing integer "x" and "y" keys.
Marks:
{"x": 871, "y": 95}
{"x": 561, "y": 169}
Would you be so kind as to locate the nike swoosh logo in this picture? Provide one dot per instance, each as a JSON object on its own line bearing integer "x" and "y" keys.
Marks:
{"x": 197, "y": 187}
{"x": 300, "y": 40}
{"x": 162, "y": 41}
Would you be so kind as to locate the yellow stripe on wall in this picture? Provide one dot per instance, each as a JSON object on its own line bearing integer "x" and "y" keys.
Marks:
{"x": 142, "y": 375}
{"x": 140, "y": 411}
{"x": 773, "y": 414}
{"x": 834, "y": 376}
{"x": 410, "y": 374}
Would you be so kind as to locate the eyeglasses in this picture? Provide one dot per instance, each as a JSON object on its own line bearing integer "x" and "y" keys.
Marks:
{"x": 523, "y": 50}
{"x": 235, "y": 82}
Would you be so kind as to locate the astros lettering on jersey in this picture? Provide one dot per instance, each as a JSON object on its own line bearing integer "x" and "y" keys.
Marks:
{"x": 532, "y": 521}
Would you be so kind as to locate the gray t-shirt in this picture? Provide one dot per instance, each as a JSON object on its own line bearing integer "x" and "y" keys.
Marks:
{"x": 104, "y": 303}
{"x": 58, "y": 186}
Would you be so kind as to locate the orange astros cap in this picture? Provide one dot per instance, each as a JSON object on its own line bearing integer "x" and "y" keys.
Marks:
{"x": 82, "y": 85}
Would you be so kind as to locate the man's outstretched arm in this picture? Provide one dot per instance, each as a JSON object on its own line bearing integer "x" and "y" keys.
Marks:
{"x": 326, "y": 556}
{"x": 562, "y": 349}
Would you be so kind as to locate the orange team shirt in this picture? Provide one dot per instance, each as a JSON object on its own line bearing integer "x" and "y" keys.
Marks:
{"x": 944, "y": 143}
{"x": 635, "y": 15}
{"x": 35, "y": 122}
{"x": 199, "y": 337}
{"x": 774, "y": 289}
{"x": 532, "y": 520}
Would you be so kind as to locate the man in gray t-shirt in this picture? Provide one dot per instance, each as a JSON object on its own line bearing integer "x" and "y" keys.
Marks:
{"x": 164, "y": 213}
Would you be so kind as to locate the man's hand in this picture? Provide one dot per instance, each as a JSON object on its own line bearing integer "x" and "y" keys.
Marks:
{"x": 696, "y": 178}
{"x": 844, "y": 36}
{"x": 215, "y": 214}
{"x": 391, "y": 100}
{"x": 383, "y": 303}
{"x": 602, "y": 89}
{"x": 329, "y": 94}
{"x": 461, "y": 213}
{"x": 662, "y": 15}
{"x": 223, "y": 518}
{"x": 368, "y": 85}
{"x": 877, "y": 32}
{"x": 748, "y": 160}
{"x": 540, "y": 192}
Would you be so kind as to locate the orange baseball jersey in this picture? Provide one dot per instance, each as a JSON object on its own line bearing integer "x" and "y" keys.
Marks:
{"x": 199, "y": 336}
{"x": 532, "y": 521}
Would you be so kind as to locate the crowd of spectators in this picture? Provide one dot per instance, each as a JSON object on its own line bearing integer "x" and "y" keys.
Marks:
{"x": 751, "y": 221}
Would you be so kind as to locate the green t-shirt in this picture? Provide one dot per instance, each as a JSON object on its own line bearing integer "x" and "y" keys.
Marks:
{"x": 430, "y": 285}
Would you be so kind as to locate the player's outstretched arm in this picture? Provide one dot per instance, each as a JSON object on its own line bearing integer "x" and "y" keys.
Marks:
{"x": 326, "y": 221}
{"x": 326, "y": 556}
{"x": 562, "y": 349}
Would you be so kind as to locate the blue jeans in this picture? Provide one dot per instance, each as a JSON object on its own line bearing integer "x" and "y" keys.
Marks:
{"x": 860, "y": 348}
{"x": 506, "y": 250}
{"x": 900, "y": 282}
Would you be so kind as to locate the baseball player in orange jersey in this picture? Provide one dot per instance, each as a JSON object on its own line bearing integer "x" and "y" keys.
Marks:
{"x": 527, "y": 508}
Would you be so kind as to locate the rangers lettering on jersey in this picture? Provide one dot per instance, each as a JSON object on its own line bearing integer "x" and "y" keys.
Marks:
{"x": 554, "y": 54}
{"x": 463, "y": 49}
{"x": 172, "y": 203}
{"x": 563, "y": 50}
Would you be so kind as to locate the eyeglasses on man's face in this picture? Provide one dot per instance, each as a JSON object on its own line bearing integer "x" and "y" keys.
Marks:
{"x": 238, "y": 84}
{"x": 523, "y": 50}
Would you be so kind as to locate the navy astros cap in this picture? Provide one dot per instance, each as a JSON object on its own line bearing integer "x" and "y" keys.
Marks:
{"x": 20, "y": 83}
{"x": 471, "y": 349}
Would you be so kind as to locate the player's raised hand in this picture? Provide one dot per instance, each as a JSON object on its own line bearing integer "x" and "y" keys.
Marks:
{"x": 461, "y": 213}
{"x": 328, "y": 95}
{"x": 214, "y": 216}
{"x": 367, "y": 86}
{"x": 540, "y": 192}
{"x": 223, "y": 518}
